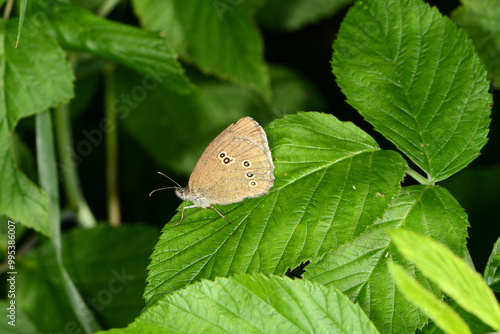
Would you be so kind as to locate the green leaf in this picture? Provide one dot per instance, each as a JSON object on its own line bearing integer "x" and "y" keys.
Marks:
{"x": 415, "y": 77}
{"x": 253, "y": 304}
{"x": 432, "y": 211}
{"x": 491, "y": 272}
{"x": 22, "y": 11}
{"x": 36, "y": 75}
{"x": 227, "y": 27}
{"x": 358, "y": 268}
{"x": 479, "y": 19}
{"x": 116, "y": 260}
{"x": 442, "y": 314}
{"x": 146, "y": 52}
{"x": 496, "y": 259}
{"x": 332, "y": 182}
{"x": 30, "y": 87}
{"x": 451, "y": 274}
{"x": 294, "y": 14}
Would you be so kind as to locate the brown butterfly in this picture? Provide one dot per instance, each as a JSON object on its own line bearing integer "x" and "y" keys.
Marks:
{"x": 236, "y": 165}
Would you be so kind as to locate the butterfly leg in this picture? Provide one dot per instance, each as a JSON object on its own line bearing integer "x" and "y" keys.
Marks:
{"x": 194, "y": 206}
{"x": 182, "y": 217}
{"x": 220, "y": 214}
{"x": 182, "y": 213}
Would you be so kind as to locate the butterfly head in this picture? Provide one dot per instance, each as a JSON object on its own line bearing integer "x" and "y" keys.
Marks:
{"x": 182, "y": 193}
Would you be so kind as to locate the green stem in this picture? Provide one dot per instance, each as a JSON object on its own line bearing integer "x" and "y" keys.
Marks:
{"x": 111, "y": 149}
{"x": 48, "y": 176}
{"x": 419, "y": 178}
{"x": 69, "y": 161}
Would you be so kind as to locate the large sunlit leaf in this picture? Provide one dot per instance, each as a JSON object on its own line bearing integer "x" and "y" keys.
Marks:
{"x": 146, "y": 52}
{"x": 218, "y": 36}
{"x": 451, "y": 274}
{"x": 480, "y": 19}
{"x": 35, "y": 76}
{"x": 416, "y": 78}
{"x": 253, "y": 304}
{"x": 332, "y": 182}
{"x": 359, "y": 268}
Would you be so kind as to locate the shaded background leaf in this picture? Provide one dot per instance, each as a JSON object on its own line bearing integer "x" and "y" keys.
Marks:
{"x": 225, "y": 26}
{"x": 480, "y": 18}
{"x": 77, "y": 29}
{"x": 295, "y": 14}
{"x": 107, "y": 266}
{"x": 21, "y": 321}
{"x": 29, "y": 88}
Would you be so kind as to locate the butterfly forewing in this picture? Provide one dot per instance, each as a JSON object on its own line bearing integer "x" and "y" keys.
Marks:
{"x": 236, "y": 165}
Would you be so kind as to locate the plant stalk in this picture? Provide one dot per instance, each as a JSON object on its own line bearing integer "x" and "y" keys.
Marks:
{"x": 111, "y": 129}
{"x": 419, "y": 178}
{"x": 48, "y": 176}
{"x": 69, "y": 161}
{"x": 8, "y": 9}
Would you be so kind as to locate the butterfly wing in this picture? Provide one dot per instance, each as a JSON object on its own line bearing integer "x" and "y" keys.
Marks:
{"x": 236, "y": 165}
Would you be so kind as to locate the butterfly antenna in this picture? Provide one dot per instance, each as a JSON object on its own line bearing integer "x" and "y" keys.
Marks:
{"x": 178, "y": 185}
{"x": 151, "y": 193}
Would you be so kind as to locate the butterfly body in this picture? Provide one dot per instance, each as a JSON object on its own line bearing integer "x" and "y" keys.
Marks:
{"x": 199, "y": 201}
